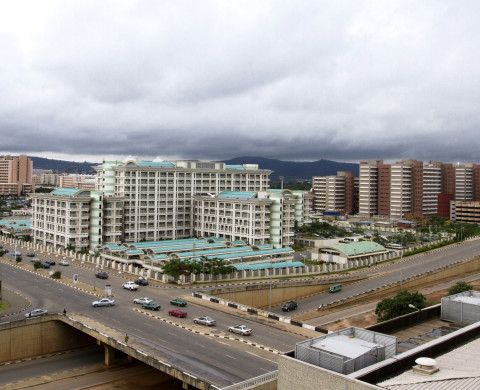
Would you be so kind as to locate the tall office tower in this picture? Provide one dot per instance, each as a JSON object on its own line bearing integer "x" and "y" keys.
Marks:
{"x": 464, "y": 182}
{"x": 427, "y": 186}
{"x": 401, "y": 189}
{"x": 334, "y": 193}
{"x": 368, "y": 188}
{"x": 16, "y": 175}
{"x": 158, "y": 195}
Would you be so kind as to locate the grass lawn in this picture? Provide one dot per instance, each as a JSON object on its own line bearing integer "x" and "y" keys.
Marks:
{"x": 4, "y": 305}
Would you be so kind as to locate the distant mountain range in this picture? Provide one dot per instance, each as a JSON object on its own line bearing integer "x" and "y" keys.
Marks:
{"x": 289, "y": 170}
{"x": 292, "y": 170}
{"x": 61, "y": 166}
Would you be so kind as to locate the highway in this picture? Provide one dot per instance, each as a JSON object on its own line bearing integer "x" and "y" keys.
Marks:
{"x": 218, "y": 360}
{"x": 390, "y": 272}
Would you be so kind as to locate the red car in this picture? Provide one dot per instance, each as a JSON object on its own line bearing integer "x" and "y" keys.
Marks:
{"x": 178, "y": 313}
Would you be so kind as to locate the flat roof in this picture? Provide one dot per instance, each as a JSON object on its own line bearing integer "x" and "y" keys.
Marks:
{"x": 343, "y": 345}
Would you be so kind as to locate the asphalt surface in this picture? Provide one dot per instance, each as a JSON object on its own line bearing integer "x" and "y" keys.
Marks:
{"x": 221, "y": 361}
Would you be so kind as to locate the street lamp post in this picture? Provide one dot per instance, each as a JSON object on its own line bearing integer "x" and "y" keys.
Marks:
{"x": 270, "y": 299}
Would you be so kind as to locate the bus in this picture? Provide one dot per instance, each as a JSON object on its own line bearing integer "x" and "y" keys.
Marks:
{"x": 394, "y": 246}
{"x": 335, "y": 288}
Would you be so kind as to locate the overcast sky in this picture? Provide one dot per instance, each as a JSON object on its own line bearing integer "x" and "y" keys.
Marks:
{"x": 212, "y": 80}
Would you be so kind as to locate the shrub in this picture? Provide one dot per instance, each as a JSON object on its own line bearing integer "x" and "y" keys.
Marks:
{"x": 459, "y": 287}
{"x": 57, "y": 275}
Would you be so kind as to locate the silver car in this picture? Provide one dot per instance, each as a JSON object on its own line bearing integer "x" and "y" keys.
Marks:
{"x": 143, "y": 301}
{"x": 240, "y": 329}
{"x": 103, "y": 302}
{"x": 208, "y": 321}
{"x": 36, "y": 313}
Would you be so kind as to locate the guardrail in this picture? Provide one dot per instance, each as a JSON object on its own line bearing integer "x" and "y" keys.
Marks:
{"x": 258, "y": 380}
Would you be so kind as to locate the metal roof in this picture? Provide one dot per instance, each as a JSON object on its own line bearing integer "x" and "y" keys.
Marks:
{"x": 134, "y": 252}
{"x": 212, "y": 252}
{"x": 359, "y": 248}
{"x": 241, "y": 167}
{"x": 161, "y": 164}
{"x": 237, "y": 194}
{"x": 114, "y": 247}
{"x": 156, "y": 244}
{"x": 69, "y": 192}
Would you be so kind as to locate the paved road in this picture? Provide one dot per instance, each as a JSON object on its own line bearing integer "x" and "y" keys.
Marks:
{"x": 221, "y": 361}
{"x": 389, "y": 273}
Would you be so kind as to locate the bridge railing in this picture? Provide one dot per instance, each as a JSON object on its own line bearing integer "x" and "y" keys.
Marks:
{"x": 253, "y": 382}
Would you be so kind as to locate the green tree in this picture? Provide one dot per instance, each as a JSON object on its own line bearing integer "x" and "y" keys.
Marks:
{"x": 174, "y": 267}
{"x": 57, "y": 275}
{"x": 459, "y": 287}
{"x": 18, "y": 259}
{"x": 397, "y": 306}
{"x": 37, "y": 265}
{"x": 1, "y": 253}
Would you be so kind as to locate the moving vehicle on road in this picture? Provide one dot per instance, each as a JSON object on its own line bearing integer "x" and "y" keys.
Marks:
{"x": 335, "y": 288}
{"x": 208, "y": 321}
{"x": 103, "y": 302}
{"x": 101, "y": 275}
{"x": 63, "y": 262}
{"x": 142, "y": 301}
{"x": 240, "y": 329}
{"x": 177, "y": 313}
{"x": 36, "y": 313}
{"x": 151, "y": 306}
{"x": 142, "y": 282}
{"x": 132, "y": 286}
{"x": 179, "y": 302}
{"x": 292, "y": 305}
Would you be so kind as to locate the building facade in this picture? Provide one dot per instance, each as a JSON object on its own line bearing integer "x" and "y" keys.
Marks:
{"x": 16, "y": 175}
{"x": 334, "y": 193}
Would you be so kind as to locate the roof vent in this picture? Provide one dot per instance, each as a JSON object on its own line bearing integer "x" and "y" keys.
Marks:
{"x": 425, "y": 366}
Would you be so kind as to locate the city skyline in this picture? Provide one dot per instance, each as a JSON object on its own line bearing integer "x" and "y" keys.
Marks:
{"x": 339, "y": 81}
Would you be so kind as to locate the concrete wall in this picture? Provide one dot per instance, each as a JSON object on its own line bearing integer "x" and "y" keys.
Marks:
{"x": 38, "y": 336}
{"x": 259, "y": 295}
{"x": 459, "y": 268}
{"x": 295, "y": 374}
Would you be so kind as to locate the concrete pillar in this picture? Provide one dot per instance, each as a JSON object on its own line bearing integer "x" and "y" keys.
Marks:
{"x": 130, "y": 267}
{"x": 109, "y": 355}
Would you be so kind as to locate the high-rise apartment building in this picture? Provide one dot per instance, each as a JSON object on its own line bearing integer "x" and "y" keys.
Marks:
{"x": 410, "y": 187}
{"x": 368, "y": 187}
{"x": 16, "y": 175}
{"x": 147, "y": 200}
{"x": 334, "y": 193}
{"x": 258, "y": 218}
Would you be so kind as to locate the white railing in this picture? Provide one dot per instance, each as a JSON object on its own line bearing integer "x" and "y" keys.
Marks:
{"x": 270, "y": 376}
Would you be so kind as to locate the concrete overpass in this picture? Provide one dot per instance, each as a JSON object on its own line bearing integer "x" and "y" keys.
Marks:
{"x": 54, "y": 333}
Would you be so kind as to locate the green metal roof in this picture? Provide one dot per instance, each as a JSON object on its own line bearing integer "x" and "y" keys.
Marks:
{"x": 134, "y": 252}
{"x": 359, "y": 248}
{"x": 162, "y": 164}
{"x": 68, "y": 191}
{"x": 237, "y": 194}
{"x": 234, "y": 167}
{"x": 114, "y": 247}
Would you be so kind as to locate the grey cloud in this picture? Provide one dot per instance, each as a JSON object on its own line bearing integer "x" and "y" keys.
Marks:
{"x": 346, "y": 81}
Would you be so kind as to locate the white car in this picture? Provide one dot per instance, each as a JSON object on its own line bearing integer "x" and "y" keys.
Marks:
{"x": 63, "y": 262}
{"x": 36, "y": 313}
{"x": 208, "y": 321}
{"x": 132, "y": 286}
{"x": 142, "y": 301}
{"x": 240, "y": 329}
{"x": 103, "y": 302}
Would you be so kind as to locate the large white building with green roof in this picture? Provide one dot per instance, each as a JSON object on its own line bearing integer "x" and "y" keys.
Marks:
{"x": 256, "y": 217}
{"x": 137, "y": 200}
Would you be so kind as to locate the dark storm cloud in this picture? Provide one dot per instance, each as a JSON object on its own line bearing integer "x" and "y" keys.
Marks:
{"x": 343, "y": 80}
